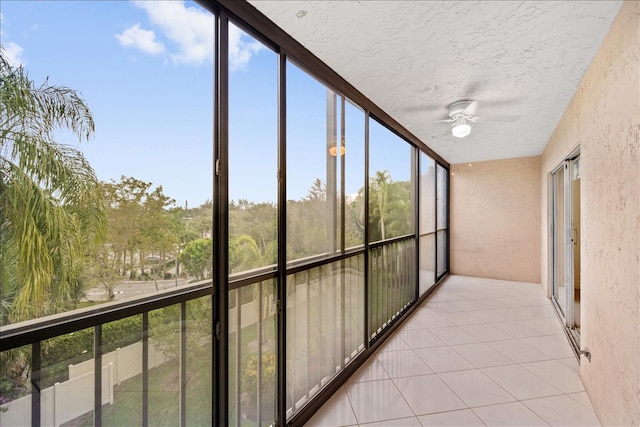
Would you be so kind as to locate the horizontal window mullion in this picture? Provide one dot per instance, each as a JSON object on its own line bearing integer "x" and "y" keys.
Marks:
{"x": 390, "y": 241}
{"x": 250, "y": 280}
{"x": 323, "y": 261}
{"x": 428, "y": 233}
{"x": 25, "y": 333}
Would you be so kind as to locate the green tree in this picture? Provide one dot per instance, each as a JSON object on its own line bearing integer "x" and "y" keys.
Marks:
{"x": 126, "y": 214}
{"x": 197, "y": 258}
{"x": 51, "y": 208}
{"x": 160, "y": 236}
{"x": 318, "y": 191}
{"x": 244, "y": 254}
{"x": 104, "y": 270}
{"x": 380, "y": 186}
{"x": 389, "y": 207}
{"x": 252, "y": 235}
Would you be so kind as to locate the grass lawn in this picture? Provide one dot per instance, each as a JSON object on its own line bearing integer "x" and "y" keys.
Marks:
{"x": 163, "y": 397}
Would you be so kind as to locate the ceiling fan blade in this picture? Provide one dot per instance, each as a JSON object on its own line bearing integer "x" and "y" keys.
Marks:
{"x": 444, "y": 121}
{"x": 499, "y": 118}
{"x": 471, "y": 109}
{"x": 421, "y": 108}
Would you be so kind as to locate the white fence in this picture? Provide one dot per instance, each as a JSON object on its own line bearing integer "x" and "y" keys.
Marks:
{"x": 127, "y": 362}
{"x": 70, "y": 399}
{"x": 60, "y": 403}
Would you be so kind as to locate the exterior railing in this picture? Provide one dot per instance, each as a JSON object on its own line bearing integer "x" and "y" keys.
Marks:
{"x": 392, "y": 278}
{"x": 252, "y": 352}
{"x": 151, "y": 355}
{"x": 325, "y": 325}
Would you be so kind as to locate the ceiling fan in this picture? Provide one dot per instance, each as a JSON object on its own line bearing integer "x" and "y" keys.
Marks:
{"x": 461, "y": 113}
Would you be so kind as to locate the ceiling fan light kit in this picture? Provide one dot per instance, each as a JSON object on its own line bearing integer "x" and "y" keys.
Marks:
{"x": 462, "y": 113}
{"x": 461, "y": 128}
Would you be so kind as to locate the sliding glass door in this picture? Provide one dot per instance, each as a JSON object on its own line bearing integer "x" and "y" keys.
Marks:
{"x": 565, "y": 243}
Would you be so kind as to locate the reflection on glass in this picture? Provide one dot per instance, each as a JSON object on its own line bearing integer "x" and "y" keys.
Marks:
{"x": 252, "y": 354}
{"x": 427, "y": 261}
{"x": 392, "y": 282}
{"x": 354, "y": 176}
{"x": 390, "y": 184}
{"x": 324, "y": 326}
{"x": 427, "y": 222}
{"x": 15, "y": 387}
{"x": 67, "y": 379}
{"x": 318, "y": 142}
{"x": 199, "y": 362}
{"x": 253, "y": 149}
{"x": 442, "y": 252}
{"x": 122, "y": 349}
{"x": 442, "y": 188}
{"x": 559, "y": 286}
{"x": 442, "y": 176}
{"x": 164, "y": 366}
{"x": 427, "y": 194}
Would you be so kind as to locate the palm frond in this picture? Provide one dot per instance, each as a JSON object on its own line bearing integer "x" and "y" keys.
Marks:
{"x": 52, "y": 206}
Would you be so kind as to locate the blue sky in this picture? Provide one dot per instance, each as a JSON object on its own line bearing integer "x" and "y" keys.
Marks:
{"x": 146, "y": 71}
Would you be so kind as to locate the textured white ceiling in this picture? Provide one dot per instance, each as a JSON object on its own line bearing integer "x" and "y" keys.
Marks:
{"x": 414, "y": 58}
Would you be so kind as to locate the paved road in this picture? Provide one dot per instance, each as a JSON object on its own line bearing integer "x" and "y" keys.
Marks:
{"x": 130, "y": 289}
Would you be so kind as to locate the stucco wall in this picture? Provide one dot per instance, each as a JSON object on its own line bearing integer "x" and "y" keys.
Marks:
{"x": 604, "y": 119}
{"x": 495, "y": 219}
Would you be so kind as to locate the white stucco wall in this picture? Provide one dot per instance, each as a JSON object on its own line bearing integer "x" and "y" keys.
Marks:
{"x": 495, "y": 219}
{"x": 604, "y": 120}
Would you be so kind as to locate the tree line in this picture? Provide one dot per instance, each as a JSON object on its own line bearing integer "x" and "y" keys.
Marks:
{"x": 63, "y": 231}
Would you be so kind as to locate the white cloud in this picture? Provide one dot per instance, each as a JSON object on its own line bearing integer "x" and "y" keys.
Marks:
{"x": 144, "y": 40}
{"x": 192, "y": 30}
{"x": 240, "y": 51}
{"x": 13, "y": 53}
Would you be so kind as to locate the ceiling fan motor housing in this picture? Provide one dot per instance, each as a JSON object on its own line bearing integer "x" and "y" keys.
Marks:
{"x": 457, "y": 109}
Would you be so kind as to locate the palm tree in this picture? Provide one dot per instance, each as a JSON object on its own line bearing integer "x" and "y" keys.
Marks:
{"x": 51, "y": 208}
{"x": 381, "y": 185}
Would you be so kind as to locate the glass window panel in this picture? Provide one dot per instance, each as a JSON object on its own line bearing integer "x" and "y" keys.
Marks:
{"x": 149, "y": 154}
{"x": 252, "y": 354}
{"x": 354, "y": 176}
{"x": 122, "y": 347}
{"x": 253, "y": 149}
{"x": 427, "y": 194}
{"x": 442, "y": 189}
{"x": 427, "y": 222}
{"x": 442, "y": 252}
{"x": 67, "y": 379}
{"x": 15, "y": 388}
{"x": 199, "y": 361}
{"x": 391, "y": 282}
{"x": 313, "y": 167}
{"x": 427, "y": 261}
{"x": 324, "y": 326}
{"x": 390, "y": 184}
{"x": 559, "y": 285}
{"x": 164, "y": 366}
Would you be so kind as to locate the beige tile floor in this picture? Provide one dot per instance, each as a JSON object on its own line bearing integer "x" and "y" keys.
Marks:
{"x": 477, "y": 352}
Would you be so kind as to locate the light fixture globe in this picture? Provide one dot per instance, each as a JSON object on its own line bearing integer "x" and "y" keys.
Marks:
{"x": 461, "y": 128}
{"x": 460, "y": 131}
{"x": 333, "y": 150}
